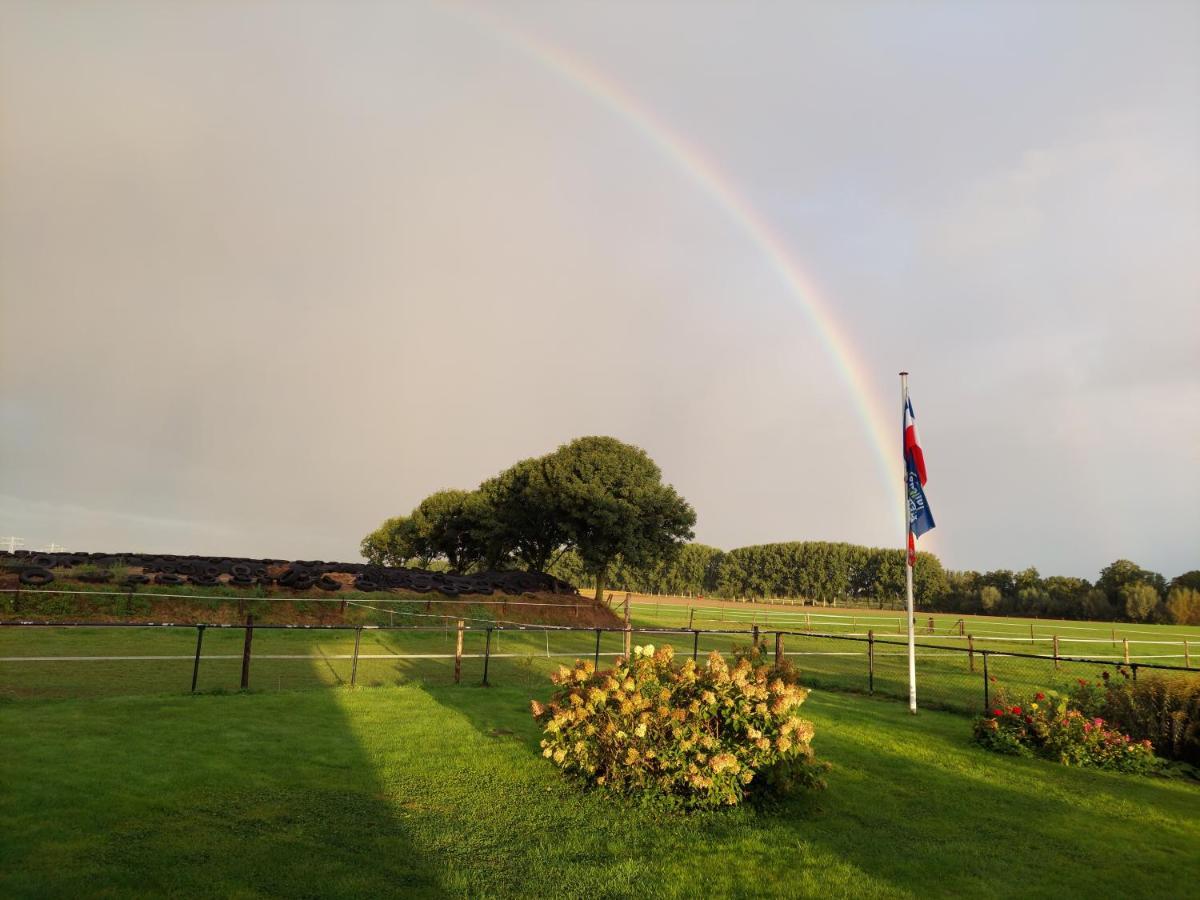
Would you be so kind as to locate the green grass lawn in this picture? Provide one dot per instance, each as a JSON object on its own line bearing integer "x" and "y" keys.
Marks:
{"x": 440, "y": 791}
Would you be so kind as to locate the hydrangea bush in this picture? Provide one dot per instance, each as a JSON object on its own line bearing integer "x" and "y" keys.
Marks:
{"x": 1050, "y": 726}
{"x": 688, "y": 736}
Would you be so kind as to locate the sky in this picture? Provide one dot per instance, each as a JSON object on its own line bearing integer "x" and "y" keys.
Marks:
{"x": 273, "y": 272}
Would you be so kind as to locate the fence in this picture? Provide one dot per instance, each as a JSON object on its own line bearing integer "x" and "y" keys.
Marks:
{"x": 88, "y": 659}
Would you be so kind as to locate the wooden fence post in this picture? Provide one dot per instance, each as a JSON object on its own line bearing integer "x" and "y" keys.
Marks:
{"x": 1125, "y": 644}
{"x": 691, "y": 616}
{"x": 458, "y": 652}
{"x": 971, "y": 651}
{"x": 778, "y": 648}
{"x": 628, "y": 631}
{"x": 1056, "y": 663}
{"x": 246, "y": 652}
{"x": 1031, "y": 632}
{"x": 754, "y": 639}
{"x": 1187, "y": 659}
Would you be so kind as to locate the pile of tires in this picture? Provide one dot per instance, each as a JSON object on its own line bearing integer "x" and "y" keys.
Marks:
{"x": 36, "y": 569}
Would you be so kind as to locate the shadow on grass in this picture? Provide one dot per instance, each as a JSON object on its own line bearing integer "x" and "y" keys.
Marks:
{"x": 198, "y": 796}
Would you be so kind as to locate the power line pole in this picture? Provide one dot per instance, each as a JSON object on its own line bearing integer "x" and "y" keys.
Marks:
{"x": 13, "y": 542}
{"x": 55, "y": 548}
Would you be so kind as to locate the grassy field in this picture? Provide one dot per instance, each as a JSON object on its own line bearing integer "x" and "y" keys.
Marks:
{"x": 79, "y": 662}
{"x": 441, "y": 792}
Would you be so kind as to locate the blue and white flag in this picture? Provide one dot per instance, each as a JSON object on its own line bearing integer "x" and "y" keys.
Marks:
{"x": 920, "y": 518}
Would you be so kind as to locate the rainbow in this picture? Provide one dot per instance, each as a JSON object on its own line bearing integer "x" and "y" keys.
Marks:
{"x": 882, "y": 429}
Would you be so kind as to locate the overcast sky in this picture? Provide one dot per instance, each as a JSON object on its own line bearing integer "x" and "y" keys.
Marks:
{"x": 271, "y": 272}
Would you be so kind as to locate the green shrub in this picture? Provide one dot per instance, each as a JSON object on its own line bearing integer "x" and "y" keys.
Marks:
{"x": 1049, "y": 726}
{"x": 1165, "y": 711}
{"x": 691, "y": 737}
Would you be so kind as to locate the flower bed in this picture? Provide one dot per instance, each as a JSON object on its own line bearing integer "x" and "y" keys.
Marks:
{"x": 687, "y": 736}
{"x": 1050, "y": 726}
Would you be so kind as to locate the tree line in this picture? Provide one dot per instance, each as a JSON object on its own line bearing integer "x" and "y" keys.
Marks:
{"x": 595, "y": 512}
{"x": 597, "y": 498}
{"x": 848, "y": 573}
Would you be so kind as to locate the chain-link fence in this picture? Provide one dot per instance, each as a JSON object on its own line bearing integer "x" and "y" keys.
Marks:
{"x": 48, "y": 660}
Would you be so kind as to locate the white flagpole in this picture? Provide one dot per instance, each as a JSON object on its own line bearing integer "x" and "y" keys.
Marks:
{"x": 908, "y": 569}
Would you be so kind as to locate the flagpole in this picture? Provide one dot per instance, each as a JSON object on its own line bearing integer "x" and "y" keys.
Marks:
{"x": 908, "y": 569}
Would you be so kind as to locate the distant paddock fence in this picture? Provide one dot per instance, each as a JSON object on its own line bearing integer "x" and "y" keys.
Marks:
{"x": 89, "y": 659}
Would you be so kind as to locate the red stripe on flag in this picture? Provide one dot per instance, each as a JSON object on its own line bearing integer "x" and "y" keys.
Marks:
{"x": 912, "y": 549}
{"x": 913, "y": 449}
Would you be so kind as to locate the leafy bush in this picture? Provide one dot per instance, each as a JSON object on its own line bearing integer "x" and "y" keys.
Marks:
{"x": 689, "y": 736}
{"x": 1164, "y": 711}
{"x": 1049, "y": 726}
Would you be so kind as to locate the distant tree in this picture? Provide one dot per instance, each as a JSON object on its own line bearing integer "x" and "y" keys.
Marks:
{"x": 610, "y": 499}
{"x": 392, "y": 544}
{"x": 1067, "y": 595}
{"x": 1183, "y": 606}
{"x": 1096, "y": 605}
{"x": 1117, "y": 575}
{"x": 454, "y": 525}
{"x": 990, "y": 598}
{"x": 1138, "y": 600}
{"x": 1187, "y": 580}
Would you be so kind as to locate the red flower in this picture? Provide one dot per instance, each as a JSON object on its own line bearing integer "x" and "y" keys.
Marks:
{"x": 997, "y": 712}
{"x": 1039, "y": 696}
{"x": 1016, "y": 710}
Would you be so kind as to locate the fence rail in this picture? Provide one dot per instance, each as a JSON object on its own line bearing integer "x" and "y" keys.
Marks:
{"x": 80, "y": 658}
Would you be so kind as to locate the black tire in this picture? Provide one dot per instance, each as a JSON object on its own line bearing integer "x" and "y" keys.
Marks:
{"x": 241, "y": 581}
{"x": 240, "y": 569}
{"x": 43, "y": 561}
{"x": 366, "y": 585}
{"x": 301, "y": 582}
{"x": 36, "y": 577}
{"x": 326, "y": 583}
{"x": 169, "y": 578}
{"x": 135, "y": 579}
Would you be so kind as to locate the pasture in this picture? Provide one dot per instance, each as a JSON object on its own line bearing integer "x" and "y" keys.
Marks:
{"x": 829, "y": 647}
{"x": 440, "y": 791}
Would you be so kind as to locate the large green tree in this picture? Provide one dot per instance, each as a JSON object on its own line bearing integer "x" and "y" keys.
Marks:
{"x": 524, "y": 519}
{"x": 455, "y": 525}
{"x": 610, "y": 499}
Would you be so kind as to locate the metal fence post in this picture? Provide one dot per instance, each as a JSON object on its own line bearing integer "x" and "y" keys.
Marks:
{"x": 1187, "y": 659}
{"x": 1056, "y": 663}
{"x": 695, "y": 644}
{"x": 354, "y": 661}
{"x": 596, "y": 662}
{"x": 628, "y": 632}
{"x": 196, "y": 664}
{"x": 487, "y": 655}
{"x": 871, "y": 661}
{"x": 971, "y": 651}
{"x": 246, "y": 652}
{"x": 1134, "y": 667}
{"x": 754, "y": 638}
{"x": 986, "y": 695}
